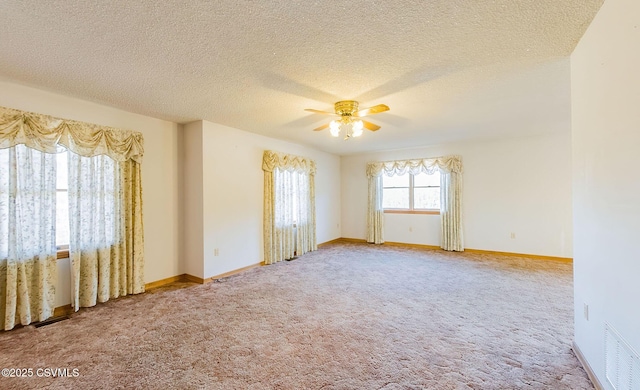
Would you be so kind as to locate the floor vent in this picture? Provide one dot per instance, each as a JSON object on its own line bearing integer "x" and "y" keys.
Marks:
{"x": 622, "y": 363}
{"x": 51, "y": 321}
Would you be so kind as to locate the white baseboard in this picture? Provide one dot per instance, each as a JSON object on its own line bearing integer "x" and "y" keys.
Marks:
{"x": 587, "y": 367}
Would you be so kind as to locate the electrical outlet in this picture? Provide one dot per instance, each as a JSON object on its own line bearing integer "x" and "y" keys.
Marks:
{"x": 586, "y": 312}
{"x": 513, "y": 236}
{"x": 216, "y": 252}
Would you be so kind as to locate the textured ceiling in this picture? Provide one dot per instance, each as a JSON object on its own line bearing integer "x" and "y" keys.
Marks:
{"x": 448, "y": 69}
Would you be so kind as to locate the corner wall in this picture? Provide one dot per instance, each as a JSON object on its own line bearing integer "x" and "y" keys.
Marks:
{"x": 191, "y": 199}
{"x": 518, "y": 185}
{"x": 232, "y": 195}
{"x": 606, "y": 179}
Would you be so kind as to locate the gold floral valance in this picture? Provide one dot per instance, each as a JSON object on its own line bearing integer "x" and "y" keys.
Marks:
{"x": 45, "y": 133}
{"x": 416, "y": 166}
{"x": 288, "y": 162}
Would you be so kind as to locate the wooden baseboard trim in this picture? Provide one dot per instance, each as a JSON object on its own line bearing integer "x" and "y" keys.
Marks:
{"x": 587, "y": 367}
{"x": 417, "y": 246}
{"x": 234, "y": 272}
{"x": 334, "y": 241}
{"x": 196, "y": 279}
{"x": 192, "y": 279}
{"x": 470, "y": 250}
{"x": 539, "y": 257}
{"x": 389, "y": 243}
{"x": 62, "y": 311}
{"x": 163, "y": 282}
{"x": 354, "y": 240}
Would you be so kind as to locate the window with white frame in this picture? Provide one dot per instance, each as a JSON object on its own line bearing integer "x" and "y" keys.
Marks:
{"x": 411, "y": 193}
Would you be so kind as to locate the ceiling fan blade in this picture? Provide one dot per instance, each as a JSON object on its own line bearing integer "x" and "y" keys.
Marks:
{"x": 321, "y": 127}
{"x": 372, "y": 110}
{"x": 370, "y": 126}
{"x": 319, "y": 112}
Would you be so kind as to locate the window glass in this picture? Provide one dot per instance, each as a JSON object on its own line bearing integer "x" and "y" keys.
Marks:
{"x": 62, "y": 201}
{"x": 395, "y": 198}
{"x": 62, "y": 219}
{"x": 61, "y": 171}
{"x": 424, "y": 180}
{"x": 395, "y": 181}
{"x": 426, "y": 198}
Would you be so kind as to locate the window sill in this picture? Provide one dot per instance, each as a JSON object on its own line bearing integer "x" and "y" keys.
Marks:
{"x": 429, "y": 212}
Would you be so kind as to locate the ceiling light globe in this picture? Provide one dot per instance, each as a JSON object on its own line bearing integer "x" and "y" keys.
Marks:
{"x": 334, "y": 128}
{"x": 357, "y": 128}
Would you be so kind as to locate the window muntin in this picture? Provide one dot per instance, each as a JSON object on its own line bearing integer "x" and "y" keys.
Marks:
{"x": 409, "y": 192}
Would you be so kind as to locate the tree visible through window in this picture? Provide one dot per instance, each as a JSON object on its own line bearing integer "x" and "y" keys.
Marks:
{"x": 409, "y": 192}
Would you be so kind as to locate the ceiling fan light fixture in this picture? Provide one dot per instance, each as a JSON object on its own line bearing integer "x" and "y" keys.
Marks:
{"x": 350, "y": 122}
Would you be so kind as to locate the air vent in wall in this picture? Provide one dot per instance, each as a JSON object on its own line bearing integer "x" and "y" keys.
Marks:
{"x": 622, "y": 363}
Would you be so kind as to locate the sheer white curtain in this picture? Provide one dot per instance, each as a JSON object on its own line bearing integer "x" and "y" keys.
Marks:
{"x": 450, "y": 168}
{"x": 375, "y": 212}
{"x": 105, "y": 196}
{"x": 289, "y": 206}
{"x": 27, "y": 235}
{"x": 105, "y": 263}
{"x": 451, "y": 211}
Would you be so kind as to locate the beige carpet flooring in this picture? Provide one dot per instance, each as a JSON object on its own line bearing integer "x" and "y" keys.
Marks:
{"x": 349, "y": 316}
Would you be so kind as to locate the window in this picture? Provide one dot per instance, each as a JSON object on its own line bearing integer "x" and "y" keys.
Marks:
{"x": 100, "y": 194}
{"x": 50, "y": 201}
{"x": 410, "y": 193}
{"x": 290, "y": 226}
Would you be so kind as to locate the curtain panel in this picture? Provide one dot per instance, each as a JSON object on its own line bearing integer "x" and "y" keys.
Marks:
{"x": 27, "y": 236}
{"x": 375, "y": 211}
{"x": 450, "y": 168}
{"x": 106, "y": 245}
{"x": 289, "y": 197}
{"x": 105, "y": 194}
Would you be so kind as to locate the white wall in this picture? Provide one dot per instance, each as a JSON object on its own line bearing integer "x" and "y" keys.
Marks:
{"x": 519, "y": 185}
{"x": 159, "y": 172}
{"x": 606, "y": 180}
{"x": 232, "y": 195}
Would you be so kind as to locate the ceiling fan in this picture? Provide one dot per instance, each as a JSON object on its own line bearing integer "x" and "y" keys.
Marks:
{"x": 349, "y": 120}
